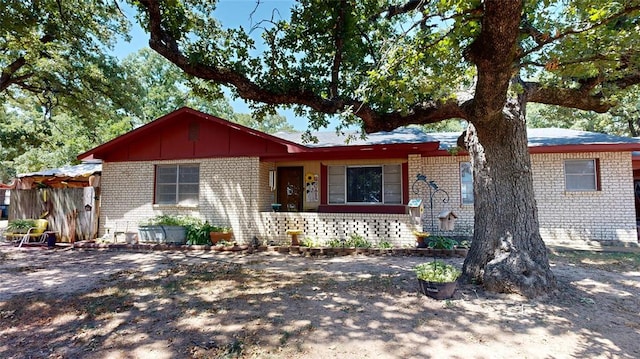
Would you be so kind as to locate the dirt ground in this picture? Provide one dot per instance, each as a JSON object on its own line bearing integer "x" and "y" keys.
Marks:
{"x": 67, "y": 303}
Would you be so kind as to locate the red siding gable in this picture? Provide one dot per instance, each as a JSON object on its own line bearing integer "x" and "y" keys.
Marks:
{"x": 186, "y": 134}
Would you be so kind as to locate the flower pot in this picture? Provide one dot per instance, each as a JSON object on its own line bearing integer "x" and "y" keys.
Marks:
{"x": 421, "y": 242}
{"x": 220, "y": 236}
{"x": 437, "y": 290}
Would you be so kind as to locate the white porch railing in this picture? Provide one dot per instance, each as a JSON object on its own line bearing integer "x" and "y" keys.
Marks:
{"x": 395, "y": 228}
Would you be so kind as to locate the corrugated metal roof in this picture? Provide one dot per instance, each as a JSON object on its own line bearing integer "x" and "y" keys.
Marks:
{"x": 84, "y": 169}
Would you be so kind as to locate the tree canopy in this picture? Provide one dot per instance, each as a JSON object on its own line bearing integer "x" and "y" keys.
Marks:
{"x": 57, "y": 52}
{"x": 368, "y": 58}
{"x": 386, "y": 64}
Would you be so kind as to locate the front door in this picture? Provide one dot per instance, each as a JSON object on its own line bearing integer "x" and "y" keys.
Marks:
{"x": 290, "y": 193}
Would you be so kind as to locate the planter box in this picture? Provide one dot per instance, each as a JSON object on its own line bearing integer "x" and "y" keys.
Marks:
{"x": 163, "y": 234}
{"x": 175, "y": 234}
{"x": 437, "y": 290}
{"x": 150, "y": 234}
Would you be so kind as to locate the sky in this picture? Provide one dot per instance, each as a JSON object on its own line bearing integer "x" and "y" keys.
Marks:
{"x": 231, "y": 13}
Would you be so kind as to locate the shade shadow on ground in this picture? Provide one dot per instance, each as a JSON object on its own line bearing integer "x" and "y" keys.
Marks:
{"x": 97, "y": 304}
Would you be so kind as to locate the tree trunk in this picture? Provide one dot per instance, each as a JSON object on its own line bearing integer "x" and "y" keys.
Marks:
{"x": 507, "y": 254}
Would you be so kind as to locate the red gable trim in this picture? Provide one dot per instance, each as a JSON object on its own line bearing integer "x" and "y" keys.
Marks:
{"x": 141, "y": 133}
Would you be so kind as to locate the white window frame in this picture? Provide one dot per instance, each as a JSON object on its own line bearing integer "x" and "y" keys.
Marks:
{"x": 584, "y": 174}
{"x": 337, "y": 185}
{"x": 466, "y": 187}
{"x": 190, "y": 201}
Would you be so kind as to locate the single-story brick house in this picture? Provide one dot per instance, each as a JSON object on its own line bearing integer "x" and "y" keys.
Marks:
{"x": 192, "y": 163}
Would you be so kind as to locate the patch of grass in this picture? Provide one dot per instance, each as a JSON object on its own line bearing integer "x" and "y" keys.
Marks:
{"x": 609, "y": 261}
{"x": 285, "y": 337}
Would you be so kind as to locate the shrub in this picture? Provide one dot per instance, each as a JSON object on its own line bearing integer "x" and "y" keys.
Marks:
{"x": 384, "y": 244}
{"x": 20, "y": 225}
{"x": 358, "y": 241}
{"x": 437, "y": 271}
{"x": 439, "y": 242}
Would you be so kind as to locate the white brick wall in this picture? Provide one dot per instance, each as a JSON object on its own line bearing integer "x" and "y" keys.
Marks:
{"x": 606, "y": 215}
{"x": 235, "y": 192}
{"x": 229, "y": 194}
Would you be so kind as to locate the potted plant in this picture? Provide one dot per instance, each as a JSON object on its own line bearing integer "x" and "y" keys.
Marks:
{"x": 220, "y": 233}
{"x": 20, "y": 226}
{"x": 165, "y": 228}
{"x": 437, "y": 279}
{"x": 421, "y": 238}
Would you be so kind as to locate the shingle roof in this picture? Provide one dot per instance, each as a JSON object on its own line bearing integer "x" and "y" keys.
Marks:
{"x": 539, "y": 137}
{"x": 403, "y": 135}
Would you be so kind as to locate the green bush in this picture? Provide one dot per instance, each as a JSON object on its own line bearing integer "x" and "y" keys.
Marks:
{"x": 439, "y": 242}
{"x": 437, "y": 271}
{"x": 357, "y": 241}
{"x": 310, "y": 242}
{"x": 334, "y": 243}
{"x": 166, "y": 220}
{"x": 198, "y": 232}
{"x": 20, "y": 225}
{"x": 384, "y": 244}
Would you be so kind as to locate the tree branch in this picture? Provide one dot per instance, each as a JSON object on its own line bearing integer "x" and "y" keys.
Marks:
{"x": 574, "y": 98}
{"x": 410, "y": 5}
{"x": 627, "y": 81}
{"x": 543, "y": 39}
{"x": 6, "y": 77}
{"x": 163, "y": 43}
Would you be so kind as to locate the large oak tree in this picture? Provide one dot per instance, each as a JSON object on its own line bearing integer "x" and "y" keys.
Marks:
{"x": 390, "y": 63}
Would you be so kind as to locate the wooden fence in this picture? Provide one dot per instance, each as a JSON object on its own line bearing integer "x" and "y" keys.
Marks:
{"x": 72, "y": 212}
